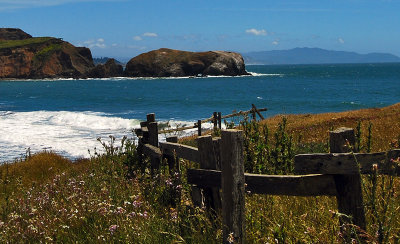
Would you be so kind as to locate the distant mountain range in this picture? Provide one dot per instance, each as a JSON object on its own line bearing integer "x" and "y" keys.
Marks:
{"x": 315, "y": 56}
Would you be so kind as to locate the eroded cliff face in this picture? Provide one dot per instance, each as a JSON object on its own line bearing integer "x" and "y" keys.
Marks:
{"x": 42, "y": 57}
{"x": 168, "y": 62}
{"x": 107, "y": 70}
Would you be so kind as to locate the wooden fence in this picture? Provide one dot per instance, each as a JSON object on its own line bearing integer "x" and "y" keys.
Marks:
{"x": 222, "y": 167}
{"x": 217, "y": 118}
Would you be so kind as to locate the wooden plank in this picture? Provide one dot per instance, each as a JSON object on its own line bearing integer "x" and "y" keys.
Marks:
{"x": 257, "y": 111}
{"x": 199, "y": 128}
{"x": 153, "y": 133}
{"x": 139, "y": 132}
{"x": 153, "y": 140}
{"x": 348, "y": 186}
{"x": 232, "y": 184}
{"x": 212, "y": 119}
{"x": 151, "y": 117}
{"x": 217, "y": 151}
{"x": 204, "y": 177}
{"x": 178, "y": 129}
{"x": 215, "y": 120}
{"x": 347, "y": 163}
{"x": 173, "y": 163}
{"x": 152, "y": 151}
{"x": 342, "y": 140}
{"x": 219, "y": 118}
{"x": 208, "y": 160}
{"x": 290, "y": 185}
{"x": 242, "y": 113}
{"x": 182, "y": 151}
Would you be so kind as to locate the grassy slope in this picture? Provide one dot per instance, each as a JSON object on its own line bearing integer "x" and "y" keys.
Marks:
{"x": 26, "y": 42}
{"x": 315, "y": 127}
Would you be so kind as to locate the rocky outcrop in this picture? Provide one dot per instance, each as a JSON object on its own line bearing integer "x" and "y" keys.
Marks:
{"x": 13, "y": 34}
{"x": 174, "y": 63}
{"x": 42, "y": 57}
{"x": 107, "y": 70}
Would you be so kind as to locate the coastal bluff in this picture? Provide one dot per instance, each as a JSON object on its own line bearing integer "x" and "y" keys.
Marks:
{"x": 26, "y": 57}
{"x": 166, "y": 62}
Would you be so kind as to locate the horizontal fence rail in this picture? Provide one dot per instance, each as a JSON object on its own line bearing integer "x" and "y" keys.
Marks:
{"x": 290, "y": 185}
{"x": 181, "y": 151}
{"x": 348, "y": 163}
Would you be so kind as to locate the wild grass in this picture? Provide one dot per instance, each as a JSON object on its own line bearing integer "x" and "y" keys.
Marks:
{"x": 112, "y": 198}
{"x": 20, "y": 43}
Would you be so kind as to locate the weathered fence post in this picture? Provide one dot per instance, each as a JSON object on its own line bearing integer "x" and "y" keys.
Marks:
{"x": 199, "y": 127}
{"x": 349, "y": 198}
{"x": 233, "y": 191}
{"x": 153, "y": 139}
{"x": 173, "y": 163}
{"x": 219, "y": 120}
{"x": 253, "y": 114}
{"x": 208, "y": 160}
{"x": 215, "y": 121}
{"x": 258, "y": 112}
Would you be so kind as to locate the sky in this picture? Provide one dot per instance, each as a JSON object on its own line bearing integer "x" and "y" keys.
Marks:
{"x": 126, "y": 28}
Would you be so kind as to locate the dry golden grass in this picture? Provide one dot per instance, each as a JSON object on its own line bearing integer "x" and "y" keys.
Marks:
{"x": 41, "y": 168}
{"x": 315, "y": 127}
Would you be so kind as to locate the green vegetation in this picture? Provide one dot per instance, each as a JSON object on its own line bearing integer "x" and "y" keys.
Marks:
{"x": 111, "y": 198}
{"x": 46, "y": 52}
{"x": 20, "y": 43}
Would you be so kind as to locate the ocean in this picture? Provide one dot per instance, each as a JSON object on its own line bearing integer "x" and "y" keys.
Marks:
{"x": 67, "y": 116}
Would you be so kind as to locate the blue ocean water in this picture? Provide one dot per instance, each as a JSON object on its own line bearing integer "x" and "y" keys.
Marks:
{"x": 67, "y": 115}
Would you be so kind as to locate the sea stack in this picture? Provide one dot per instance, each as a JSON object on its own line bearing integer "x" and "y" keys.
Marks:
{"x": 110, "y": 69}
{"x": 175, "y": 63}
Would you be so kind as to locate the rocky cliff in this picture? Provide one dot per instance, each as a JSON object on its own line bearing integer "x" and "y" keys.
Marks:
{"x": 174, "y": 63}
{"x": 107, "y": 70}
{"x": 22, "y": 56}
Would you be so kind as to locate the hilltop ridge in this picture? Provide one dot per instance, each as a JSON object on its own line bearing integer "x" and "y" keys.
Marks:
{"x": 315, "y": 56}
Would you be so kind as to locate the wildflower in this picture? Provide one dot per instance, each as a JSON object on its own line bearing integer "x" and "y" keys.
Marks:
{"x": 131, "y": 215}
{"x": 168, "y": 182}
{"x": 120, "y": 210}
{"x": 113, "y": 228}
{"x": 136, "y": 204}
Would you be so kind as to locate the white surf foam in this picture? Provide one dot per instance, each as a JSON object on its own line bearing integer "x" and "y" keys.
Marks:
{"x": 261, "y": 74}
{"x": 68, "y": 133}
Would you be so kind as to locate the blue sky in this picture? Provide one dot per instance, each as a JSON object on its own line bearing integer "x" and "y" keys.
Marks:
{"x": 126, "y": 28}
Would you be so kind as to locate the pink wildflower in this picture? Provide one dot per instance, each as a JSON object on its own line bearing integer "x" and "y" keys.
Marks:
{"x": 113, "y": 228}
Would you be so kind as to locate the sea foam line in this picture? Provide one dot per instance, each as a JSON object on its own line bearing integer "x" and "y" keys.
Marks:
{"x": 70, "y": 134}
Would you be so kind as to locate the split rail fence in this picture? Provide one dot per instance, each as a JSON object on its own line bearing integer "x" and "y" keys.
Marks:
{"x": 217, "y": 118}
{"x": 221, "y": 167}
